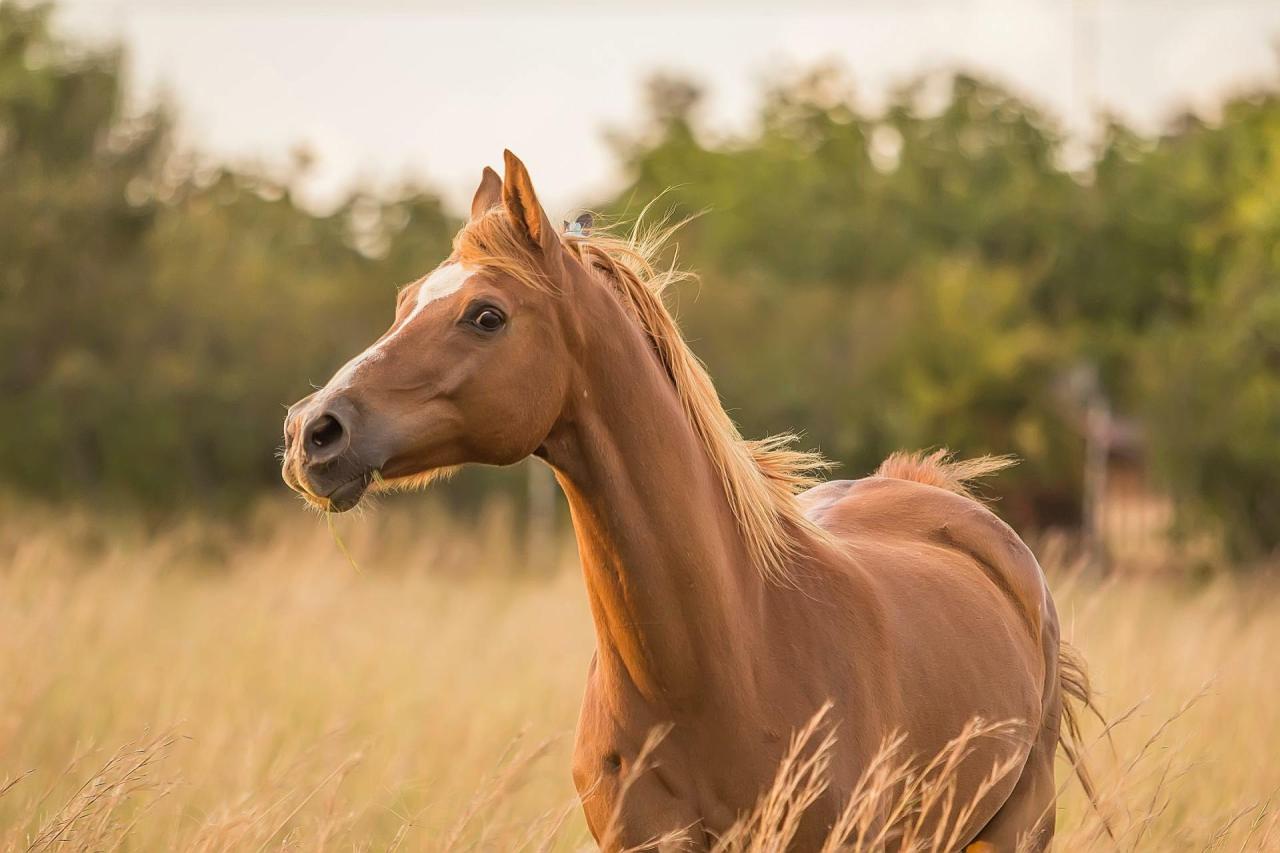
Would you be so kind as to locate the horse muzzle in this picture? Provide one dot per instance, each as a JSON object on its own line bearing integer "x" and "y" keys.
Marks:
{"x": 322, "y": 461}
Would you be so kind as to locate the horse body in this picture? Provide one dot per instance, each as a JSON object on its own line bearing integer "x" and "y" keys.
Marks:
{"x": 730, "y": 606}
{"x": 920, "y": 611}
{"x": 917, "y": 625}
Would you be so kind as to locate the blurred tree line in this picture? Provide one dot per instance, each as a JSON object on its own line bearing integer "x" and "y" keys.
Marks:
{"x": 933, "y": 275}
{"x": 156, "y": 312}
{"x": 927, "y": 274}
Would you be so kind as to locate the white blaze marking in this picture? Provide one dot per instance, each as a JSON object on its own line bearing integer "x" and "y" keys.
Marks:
{"x": 445, "y": 281}
{"x": 441, "y": 283}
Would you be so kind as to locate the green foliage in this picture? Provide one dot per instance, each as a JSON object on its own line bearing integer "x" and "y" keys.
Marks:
{"x": 1212, "y": 382}
{"x": 887, "y": 271}
{"x": 156, "y": 315}
{"x": 933, "y": 274}
{"x": 926, "y": 274}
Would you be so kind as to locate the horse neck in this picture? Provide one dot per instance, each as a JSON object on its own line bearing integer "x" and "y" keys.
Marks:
{"x": 673, "y": 595}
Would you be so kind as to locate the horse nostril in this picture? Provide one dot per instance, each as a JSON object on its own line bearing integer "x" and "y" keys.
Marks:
{"x": 323, "y": 433}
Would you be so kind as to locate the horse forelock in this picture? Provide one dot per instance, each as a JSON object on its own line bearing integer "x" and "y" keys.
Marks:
{"x": 761, "y": 478}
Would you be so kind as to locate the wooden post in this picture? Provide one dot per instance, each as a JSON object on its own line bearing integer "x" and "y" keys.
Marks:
{"x": 1097, "y": 451}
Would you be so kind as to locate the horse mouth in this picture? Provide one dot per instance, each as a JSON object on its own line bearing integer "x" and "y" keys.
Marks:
{"x": 348, "y": 495}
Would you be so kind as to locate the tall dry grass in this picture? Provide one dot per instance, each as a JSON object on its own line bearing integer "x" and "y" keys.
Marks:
{"x": 207, "y": 688}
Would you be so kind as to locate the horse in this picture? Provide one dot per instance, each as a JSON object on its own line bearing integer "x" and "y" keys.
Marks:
{"x": 733, "y": 595}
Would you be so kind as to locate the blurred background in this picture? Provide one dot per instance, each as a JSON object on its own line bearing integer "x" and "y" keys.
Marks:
{"x": 1038, "y": 227}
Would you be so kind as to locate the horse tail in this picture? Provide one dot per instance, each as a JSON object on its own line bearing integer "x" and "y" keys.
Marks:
{"x": 1077, "y": 697}
{"x": 943, "y": 470}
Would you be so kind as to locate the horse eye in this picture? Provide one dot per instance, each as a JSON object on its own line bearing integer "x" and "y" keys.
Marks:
{"x": 490, "y": 320}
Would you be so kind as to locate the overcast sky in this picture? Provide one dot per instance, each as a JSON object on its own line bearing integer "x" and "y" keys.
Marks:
{"x": 383, "y": 89}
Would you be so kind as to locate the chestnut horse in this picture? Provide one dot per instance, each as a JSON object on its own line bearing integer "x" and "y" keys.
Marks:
{"x": 732, "y": 597}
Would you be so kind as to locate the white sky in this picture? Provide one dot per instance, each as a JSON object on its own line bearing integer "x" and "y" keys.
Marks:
{"x": 384, "y": 89}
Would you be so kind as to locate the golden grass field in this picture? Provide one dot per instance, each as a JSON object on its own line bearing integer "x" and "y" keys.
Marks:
{"x": 200, "y": 687}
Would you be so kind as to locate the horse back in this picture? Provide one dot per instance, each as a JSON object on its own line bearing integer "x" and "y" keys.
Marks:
{"x": 896, "y": 525}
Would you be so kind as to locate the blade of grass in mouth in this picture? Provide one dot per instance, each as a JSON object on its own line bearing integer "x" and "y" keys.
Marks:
{"x": 342, "y": 546}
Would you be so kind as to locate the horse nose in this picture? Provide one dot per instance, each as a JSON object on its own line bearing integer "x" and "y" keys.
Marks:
{"x": 324, "y": 438}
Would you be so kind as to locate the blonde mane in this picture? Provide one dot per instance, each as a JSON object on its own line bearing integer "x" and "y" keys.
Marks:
{"x": 761, "y": 477}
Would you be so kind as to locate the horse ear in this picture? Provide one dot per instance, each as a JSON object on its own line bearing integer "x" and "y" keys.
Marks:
{"x": 488, "y": 194}
{"x": 523, "y": 207}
